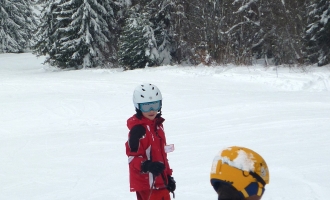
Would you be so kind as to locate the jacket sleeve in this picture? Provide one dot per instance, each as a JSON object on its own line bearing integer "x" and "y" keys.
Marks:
{"x": 136, "y": 133}
{"x": 135, "y": 148}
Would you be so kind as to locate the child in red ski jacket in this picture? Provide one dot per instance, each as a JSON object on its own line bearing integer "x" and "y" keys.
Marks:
{"x": 149, "y": 171}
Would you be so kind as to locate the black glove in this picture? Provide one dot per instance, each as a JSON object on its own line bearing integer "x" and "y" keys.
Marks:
{"x": 155, "y": 168}
{"x": 171, "y": 184}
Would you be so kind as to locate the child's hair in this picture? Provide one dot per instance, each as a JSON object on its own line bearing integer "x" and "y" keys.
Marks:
{"x": 228, "y": 192}
{"x": 139, "y": 113}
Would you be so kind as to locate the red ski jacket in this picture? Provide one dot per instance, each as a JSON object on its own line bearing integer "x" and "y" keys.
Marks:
{"x": 146, "y": 141}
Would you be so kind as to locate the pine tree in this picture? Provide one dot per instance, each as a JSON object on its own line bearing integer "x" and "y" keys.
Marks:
{"x": 137, "y": 45}
{"x": 84, "y": 40}
{"x": 284, "y": 43}
{"x": 29, "y": 25}
{"x": 318, "y": 33}
{"x": 114, "y": 10}
{"x": 155, "y": 33}
{"x": 161, "y": 16}
{"x": 187, "y": 30}
{"x": 46, "y": 39}
{"x": 17, "y": 23}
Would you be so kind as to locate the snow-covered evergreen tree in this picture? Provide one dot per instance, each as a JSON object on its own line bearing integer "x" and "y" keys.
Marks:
{"x": 46, "y": 39}
{"x": 84, "y": 41}
{"x": 137, "y": 45}
{"x": 180, "y": 27}
{"x": 151, "y": 21}
{"x": 30, "y": 23}
{"x": 318, "y": 33}
{"x": 161, "y": 15}
{"x": 17, "y": 22}
{"x": 114, "y": 9}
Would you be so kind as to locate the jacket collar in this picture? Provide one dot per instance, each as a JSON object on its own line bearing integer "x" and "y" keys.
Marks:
{"x": 133, "y": 121}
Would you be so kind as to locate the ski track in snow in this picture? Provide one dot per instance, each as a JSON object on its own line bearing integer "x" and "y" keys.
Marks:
{"x": 63, "y": 132}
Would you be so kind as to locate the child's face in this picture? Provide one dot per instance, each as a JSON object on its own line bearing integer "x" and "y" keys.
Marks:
{"x": 150, "y": 115}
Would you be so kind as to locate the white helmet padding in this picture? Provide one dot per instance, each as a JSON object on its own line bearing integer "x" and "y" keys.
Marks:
{"x": 146, "y": 93}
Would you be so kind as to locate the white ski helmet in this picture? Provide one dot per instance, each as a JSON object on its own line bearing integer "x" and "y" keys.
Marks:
{"x": 146, "y": 92}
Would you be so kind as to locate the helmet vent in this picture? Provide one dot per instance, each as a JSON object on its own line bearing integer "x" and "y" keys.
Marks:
{"x": 142, "y": 96}
{"x": 157, "y": 94}
{"x": 153, "y": 88}
{"x": 143, "y": 89}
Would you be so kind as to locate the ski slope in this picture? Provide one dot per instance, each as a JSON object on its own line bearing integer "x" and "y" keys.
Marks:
{"x": 62, "y": 133}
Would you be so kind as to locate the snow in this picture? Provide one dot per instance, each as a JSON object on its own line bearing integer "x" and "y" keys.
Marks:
{"x": 245, "y": 6}
{"x": 243, "y": 161}
{"x": 324, "y": 17}
{"x": 63, "y": 132}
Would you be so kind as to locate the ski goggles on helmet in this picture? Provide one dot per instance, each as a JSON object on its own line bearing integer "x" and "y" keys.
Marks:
{"x": 149, "y": 106}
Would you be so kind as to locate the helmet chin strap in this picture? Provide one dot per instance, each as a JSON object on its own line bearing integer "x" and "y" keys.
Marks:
{"x": 259, "y": 179}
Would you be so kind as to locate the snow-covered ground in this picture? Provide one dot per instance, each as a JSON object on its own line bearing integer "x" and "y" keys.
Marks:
{"x": 62, "y": 133}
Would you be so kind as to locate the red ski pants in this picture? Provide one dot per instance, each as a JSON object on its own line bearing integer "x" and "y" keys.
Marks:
{"x": 162, "y": 194}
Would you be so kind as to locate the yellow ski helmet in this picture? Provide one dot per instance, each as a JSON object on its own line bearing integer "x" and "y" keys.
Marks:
{"x": 242, "y": 168}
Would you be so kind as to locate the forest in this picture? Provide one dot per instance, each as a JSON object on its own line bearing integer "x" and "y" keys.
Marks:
{"x": 138, "y": 33}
